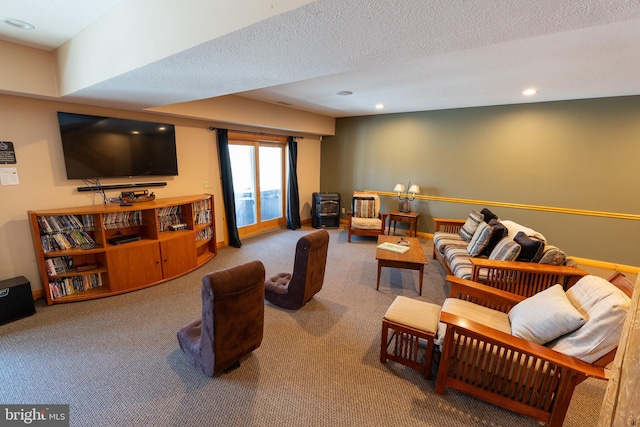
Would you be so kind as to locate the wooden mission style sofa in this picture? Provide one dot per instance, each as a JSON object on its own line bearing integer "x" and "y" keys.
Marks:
{"x": 502, "y": 254}
{"x": 484, "y": 352}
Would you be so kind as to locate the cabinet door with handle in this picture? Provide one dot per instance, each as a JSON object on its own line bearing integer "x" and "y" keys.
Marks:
{"x": 178, "y": 254}
{"x": 135, "y": 265}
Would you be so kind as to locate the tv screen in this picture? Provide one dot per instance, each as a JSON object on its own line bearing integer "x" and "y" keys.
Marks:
{"x": 104, "y": 147}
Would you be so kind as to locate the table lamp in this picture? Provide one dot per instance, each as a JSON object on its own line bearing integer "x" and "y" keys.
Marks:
{"x": 413, "y": 189}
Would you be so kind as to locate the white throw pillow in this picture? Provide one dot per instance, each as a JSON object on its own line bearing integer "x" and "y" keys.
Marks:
{"x": 513, "y": 228}
{"x": 545, "y": 316}
{"x": 605, "y": 307}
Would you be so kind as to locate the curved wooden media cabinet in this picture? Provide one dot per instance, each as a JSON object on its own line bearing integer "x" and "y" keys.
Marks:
{"x": 103, "y": 250}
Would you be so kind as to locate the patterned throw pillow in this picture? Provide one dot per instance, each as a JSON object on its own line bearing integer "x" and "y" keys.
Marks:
{"x": 364, "y": 207}
{"x": 469, "y": 227}
{"x": 505, "y": 250}
{"x": 499, "y": 231}
{"x": 552, "y": 255}
{"x": 480, "y": 239}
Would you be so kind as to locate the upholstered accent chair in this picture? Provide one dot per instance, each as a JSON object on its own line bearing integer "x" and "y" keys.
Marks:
{"x": 232, "y": 321}
{"x": 292, "y": 291}
{"x": 365, "y": 218}
{"x": 528, "y": 354}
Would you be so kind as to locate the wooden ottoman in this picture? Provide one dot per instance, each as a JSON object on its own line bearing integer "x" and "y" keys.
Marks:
{"x": 413, "y": 325}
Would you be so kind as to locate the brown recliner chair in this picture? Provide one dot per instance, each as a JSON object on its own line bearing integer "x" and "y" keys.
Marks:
{"x": 292, "y": 291}
{"x": 232, "y": 320}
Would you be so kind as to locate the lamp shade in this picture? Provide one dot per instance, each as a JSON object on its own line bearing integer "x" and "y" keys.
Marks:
{"x": 414, "y": 189}
{"x": 399, "y": 188}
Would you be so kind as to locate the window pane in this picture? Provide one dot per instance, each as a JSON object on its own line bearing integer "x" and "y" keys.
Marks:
{"x": 243, "y": 167}
{"x": 270, "y": 182}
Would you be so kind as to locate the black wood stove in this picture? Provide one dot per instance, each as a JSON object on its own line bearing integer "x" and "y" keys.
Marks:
{"x": 325, "y": 211}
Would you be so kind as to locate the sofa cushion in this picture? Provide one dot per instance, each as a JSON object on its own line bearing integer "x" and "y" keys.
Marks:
{"x": 458, "y": 260}
{"x": 480, "y": 239}
{"x": 545, "y": 316}
{"x": 531, "y": 248}
{"x": 605, "y": 308}
{"x": 366, "y": 223}
{"x": 470, "y": 225}
{"x": 416, "y": 314}
{"x": 499, "y": 231}
{"x": 364, "y": 207}
{"x": 514, "y": 228}
{"x": 493, "y": 318}
{"x": 505, "y": 250}
{"x": 443, "y": 239}
{"x": 552, "y": 255}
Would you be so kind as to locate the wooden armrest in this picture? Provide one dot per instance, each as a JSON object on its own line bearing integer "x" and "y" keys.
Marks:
{"x": 621, "y": 282}
{"x": 442, "y": 224}
{"x": 505, "y": 340}
{"x": 477, "y": 290}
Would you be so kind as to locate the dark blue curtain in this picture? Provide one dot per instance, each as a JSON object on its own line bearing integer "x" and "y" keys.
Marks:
{"x": 227, "y": 188}
{"x": 293, "y": 198}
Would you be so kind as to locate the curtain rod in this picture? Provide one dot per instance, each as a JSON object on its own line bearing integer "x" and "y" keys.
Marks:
{"x": 212, "y": 128}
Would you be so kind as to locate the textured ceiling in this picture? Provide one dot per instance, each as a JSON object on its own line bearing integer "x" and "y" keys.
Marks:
{"x": 411, "y": 55}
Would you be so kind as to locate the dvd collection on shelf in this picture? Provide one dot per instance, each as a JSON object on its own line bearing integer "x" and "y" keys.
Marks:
{"x": 202, "y": 211}
{"x": 59, "y": 265}
{"x": 123, "y": 219}
{"x": 204, "y": 234}
{"x": 168, "y": 216}
{"x": 63, "y": 223}
{"x": 65, "y": 264}
{"x": 66, "y": 232}
{"x": 71, "y": 285}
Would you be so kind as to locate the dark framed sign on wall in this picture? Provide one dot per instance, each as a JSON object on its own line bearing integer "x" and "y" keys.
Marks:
{"x": 7, "y": 153}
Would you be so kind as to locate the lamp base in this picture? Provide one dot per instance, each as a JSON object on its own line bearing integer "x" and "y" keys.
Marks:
{"x": 405, "y": 207}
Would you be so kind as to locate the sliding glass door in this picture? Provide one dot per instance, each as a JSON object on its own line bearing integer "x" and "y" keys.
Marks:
{"x": 258, "y": 181}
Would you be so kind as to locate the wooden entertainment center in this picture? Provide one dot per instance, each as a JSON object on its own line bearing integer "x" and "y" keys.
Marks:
{"x": 102, "y": 250}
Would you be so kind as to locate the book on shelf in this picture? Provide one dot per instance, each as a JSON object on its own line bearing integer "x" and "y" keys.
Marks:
{"x": 393, "y": 247}
{"x": 168, "y": 216}
{"x": 64, "y": 241}
{"x": 123, "y": 219}
{"x": 70, "y": 285}
{"x": 204, "y": 234}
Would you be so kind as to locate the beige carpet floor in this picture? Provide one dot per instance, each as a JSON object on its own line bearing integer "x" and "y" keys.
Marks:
{"x": 116, "y": 361}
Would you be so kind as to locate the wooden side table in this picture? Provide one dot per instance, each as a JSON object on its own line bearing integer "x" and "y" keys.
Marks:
{"x": 410, "y": 217}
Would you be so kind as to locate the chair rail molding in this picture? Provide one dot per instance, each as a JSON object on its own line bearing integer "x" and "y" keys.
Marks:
{"x": 615, "y": 215}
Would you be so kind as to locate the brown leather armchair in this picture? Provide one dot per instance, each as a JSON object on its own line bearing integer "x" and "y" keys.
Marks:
{"x": 232, "y": 320}
{"x": 292, "y": 291}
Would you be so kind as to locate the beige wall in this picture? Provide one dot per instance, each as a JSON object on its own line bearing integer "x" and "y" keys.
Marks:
{"x": 574, "y": 154}
{"x": 33, "y": 128}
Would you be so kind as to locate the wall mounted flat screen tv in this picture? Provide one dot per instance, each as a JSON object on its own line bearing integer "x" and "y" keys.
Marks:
{"x": 105, "y": 147}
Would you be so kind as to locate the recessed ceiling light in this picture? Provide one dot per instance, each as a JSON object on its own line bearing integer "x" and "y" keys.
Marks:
{"x": 16, "y": 23}
{"x": 379, "y": 106}
{"x": 529, "y": 92}
{"x": 344, "y": 93}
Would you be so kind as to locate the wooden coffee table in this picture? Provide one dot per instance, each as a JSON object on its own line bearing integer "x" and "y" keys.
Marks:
{"x": 413, "y": 259}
